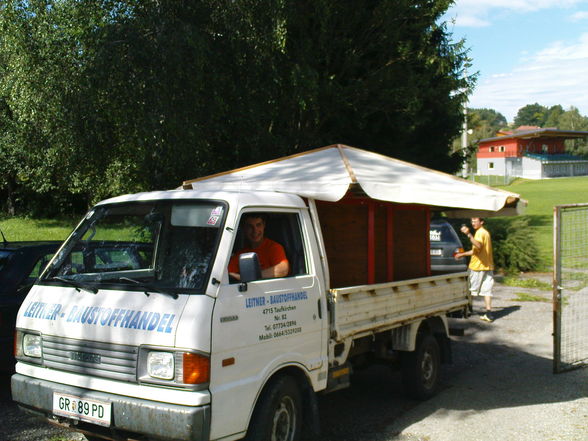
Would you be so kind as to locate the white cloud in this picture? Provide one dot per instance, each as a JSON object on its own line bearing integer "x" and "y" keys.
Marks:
{"x": 479, "y": 13}
{"x": 555, "y": 75}
{"x": 579, "y": 16}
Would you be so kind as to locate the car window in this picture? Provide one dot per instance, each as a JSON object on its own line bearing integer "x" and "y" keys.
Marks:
{"x": 5, "y": 257}
{"x": 442, "y": 233}
{"x": 40, "y": 265}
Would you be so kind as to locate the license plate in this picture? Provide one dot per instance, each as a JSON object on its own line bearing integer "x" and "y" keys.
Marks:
{"x": 92, "y": 411}
{"x": 436, "y": 252}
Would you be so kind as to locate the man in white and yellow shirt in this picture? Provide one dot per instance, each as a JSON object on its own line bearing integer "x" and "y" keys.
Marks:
{"x": 481, "y": 268}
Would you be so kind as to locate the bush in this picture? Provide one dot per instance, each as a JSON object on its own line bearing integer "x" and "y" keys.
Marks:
{"x": 515, "y": 249}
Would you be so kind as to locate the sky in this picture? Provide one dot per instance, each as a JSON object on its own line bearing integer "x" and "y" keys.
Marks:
{"x": 525, "y": 52}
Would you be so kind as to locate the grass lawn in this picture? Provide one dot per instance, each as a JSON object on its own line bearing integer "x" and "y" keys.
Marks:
{"x": 542, "y": 196}
{"x": 18, "y": 228}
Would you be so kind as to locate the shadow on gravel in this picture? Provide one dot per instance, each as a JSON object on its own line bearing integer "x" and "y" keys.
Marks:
{"x": 486, "y": 376}
{"x": 362, "y": 411}
{"x": 510, "y": 379}
{"x": 5, "y": 388}
{"x": 503, "y": 312}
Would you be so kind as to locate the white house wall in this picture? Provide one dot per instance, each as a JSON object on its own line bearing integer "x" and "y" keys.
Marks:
{"x": 514, "y": 167}
{"x": 498, "y": 166}
{"x": 532, "y": 168}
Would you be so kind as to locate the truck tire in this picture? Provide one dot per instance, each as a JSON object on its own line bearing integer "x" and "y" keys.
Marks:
{"x": 421, "y": 368}
{"x": 278, "y": 414}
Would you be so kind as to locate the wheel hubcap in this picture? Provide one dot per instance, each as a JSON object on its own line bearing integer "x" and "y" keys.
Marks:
{"x": 428, "y": 369}
{"x": 284, "y": 426}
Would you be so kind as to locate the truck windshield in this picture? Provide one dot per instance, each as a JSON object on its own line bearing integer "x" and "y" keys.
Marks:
{"x": 163, "y": 246}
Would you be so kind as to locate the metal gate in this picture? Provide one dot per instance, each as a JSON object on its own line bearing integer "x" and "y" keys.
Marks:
{"x": 570, "y": 287}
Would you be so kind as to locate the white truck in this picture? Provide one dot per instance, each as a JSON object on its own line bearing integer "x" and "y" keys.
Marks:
{"x": 136, "y": 331}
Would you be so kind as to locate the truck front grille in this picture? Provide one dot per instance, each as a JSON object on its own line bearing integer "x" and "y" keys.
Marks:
{"x": 97, "y": 359}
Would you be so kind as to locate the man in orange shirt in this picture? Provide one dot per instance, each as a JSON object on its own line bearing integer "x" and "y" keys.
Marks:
{"x": 481, "y": 267}
{"x": 272, "y": 257}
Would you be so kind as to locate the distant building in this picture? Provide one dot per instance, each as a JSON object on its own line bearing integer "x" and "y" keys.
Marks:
{"x": 530, "y": 152}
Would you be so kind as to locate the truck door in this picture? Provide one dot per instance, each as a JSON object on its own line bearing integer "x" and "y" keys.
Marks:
{"x": 266, "y": 324}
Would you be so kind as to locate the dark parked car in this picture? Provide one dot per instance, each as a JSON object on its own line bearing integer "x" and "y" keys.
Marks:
{"x": 444, "y": 244}
{"x": 20, "y": 265}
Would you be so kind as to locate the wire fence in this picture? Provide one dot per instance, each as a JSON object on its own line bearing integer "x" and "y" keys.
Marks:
{"x": 493, "y": 180}
{"x": 570, "y": 287}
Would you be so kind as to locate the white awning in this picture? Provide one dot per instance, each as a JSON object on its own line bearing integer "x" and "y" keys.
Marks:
{"x": 327, "y": 174}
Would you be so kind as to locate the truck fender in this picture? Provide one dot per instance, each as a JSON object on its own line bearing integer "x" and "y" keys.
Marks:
{"x": 404, "y": 338}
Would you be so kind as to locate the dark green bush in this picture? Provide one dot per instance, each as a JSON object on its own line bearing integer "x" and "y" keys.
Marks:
{"x": 515, "y": 249}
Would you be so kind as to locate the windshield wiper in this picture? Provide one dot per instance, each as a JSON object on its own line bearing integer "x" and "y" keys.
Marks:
{"x": 77, "y": 285}
{"x": 148, "y": 287}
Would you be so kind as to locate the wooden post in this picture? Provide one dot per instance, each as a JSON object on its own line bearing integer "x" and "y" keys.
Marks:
{"x": 371, "y": 245}
{"x": 389, "y": 244}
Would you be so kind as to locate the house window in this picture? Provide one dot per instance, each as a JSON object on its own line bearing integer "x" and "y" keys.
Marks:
{"x": 501, "y": 148}
{"x": 545, "y": 148}
{"x": 491, "y": 149}
{"x": 490, "y": 166}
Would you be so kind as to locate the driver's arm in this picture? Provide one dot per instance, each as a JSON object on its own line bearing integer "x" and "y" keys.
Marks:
{"x": 280, "y": 270}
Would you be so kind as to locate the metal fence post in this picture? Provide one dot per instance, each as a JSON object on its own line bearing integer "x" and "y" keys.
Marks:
{"x": 556, "y": 290}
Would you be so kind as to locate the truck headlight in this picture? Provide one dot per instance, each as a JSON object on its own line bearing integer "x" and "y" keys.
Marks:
{"x": 31, "y": 345}
{"x": 161, "y": 365}
{"x": 28, "y": 346}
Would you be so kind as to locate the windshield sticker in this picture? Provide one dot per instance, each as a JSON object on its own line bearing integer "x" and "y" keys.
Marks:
{"x": 100, "y": 316}
{"x": 215, "y": 215}
{"x": 218, "y": 211}
{"x": 212, "y": 220}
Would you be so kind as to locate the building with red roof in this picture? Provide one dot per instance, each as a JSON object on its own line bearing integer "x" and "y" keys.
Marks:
{"x": 530, "y": 152}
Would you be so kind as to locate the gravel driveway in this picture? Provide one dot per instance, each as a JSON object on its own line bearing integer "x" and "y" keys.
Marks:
{"x": 500, "y": 387}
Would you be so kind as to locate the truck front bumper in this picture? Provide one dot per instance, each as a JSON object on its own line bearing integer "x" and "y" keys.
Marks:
{"x": 130, "y": 416}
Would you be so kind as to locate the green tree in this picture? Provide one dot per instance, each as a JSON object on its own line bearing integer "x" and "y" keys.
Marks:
{"x": 103, "y": 97}
{"x": 573, "y": 120}
{"x": 553, "y": 115}
{"x": 531, "y": 115}
{"x": 485, "y": 123}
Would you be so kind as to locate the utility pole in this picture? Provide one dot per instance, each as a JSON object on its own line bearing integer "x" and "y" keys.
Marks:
{"x": 464, "y": 142}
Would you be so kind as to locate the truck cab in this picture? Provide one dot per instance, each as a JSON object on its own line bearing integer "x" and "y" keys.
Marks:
{"x": 136, "y": 316}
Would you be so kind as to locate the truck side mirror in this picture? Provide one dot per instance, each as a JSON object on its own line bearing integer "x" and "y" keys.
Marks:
{"x": 249, "y": 268}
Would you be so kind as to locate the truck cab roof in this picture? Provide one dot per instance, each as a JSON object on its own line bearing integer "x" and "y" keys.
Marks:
{"x": 233, "y": 198}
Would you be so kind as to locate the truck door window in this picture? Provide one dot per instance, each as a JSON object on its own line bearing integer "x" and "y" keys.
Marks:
{"x": 282, "y": 228}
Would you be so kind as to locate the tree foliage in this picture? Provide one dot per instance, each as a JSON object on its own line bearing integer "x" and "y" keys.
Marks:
{"x": 556, "y": 117}
{"x": 485, "y": 123}
{"x": 102, "y": 97}
{"x": 531, "y": 115}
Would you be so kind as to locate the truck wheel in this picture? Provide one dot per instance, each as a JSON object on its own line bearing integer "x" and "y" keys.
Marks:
{"x": 420, "y": 369}
{"x": 278, "y": 415}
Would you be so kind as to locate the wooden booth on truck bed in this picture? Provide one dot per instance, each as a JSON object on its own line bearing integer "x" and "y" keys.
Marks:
{"x": 374, "y": 210}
